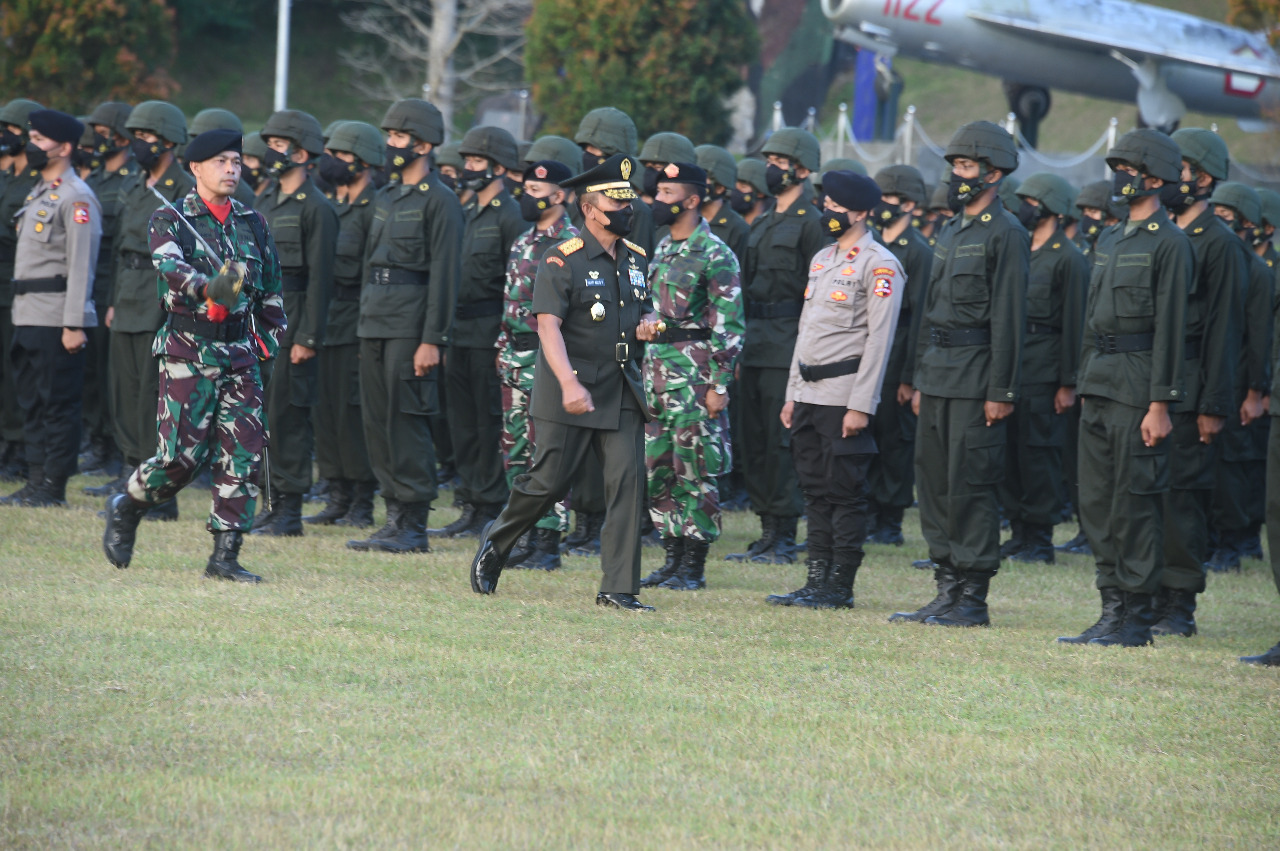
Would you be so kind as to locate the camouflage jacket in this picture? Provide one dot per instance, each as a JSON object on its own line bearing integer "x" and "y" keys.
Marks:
{"x": 517, "y": 310}
{"x": 696, "y": 285}
{"x": 185, "y": 267}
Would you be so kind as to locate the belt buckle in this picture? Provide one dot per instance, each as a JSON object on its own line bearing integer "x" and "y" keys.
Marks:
{"x": 622, "y": 352}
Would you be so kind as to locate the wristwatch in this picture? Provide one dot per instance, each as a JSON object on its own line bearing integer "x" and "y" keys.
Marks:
{"x": 720, "y": 389}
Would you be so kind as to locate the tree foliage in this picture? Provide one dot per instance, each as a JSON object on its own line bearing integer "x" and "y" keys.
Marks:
{"x": 72, "y": 54}
{"x": 669, "y": 64}
{"x": 1256, "y": 15}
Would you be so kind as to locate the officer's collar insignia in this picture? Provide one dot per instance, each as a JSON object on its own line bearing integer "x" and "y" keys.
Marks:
{"x": 56, "y": 183}
{"x": 301, "y": 196}
{"x": 625, "y": 168}
{"x": 986, "y": 217}
{"x": 637, "y": 249}
{"x": 495, "y": 203}
{"x": 124, "y": 171}
{"x": 800, "y": 212}
{"x": 722, "y": 221}
{"x": 902, "y": 241}
{"x": 1153, "y": 226}
{"x": 1198, "y": 230}
{"x": 1057, "y": 245}
{"x": 424, "y": 186}
{"x": 169, "y": 182}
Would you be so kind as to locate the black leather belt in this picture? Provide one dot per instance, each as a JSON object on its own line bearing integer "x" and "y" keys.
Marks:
{"x": 1192, "y": 349}
{"x": 949, "y": 338}
{"x": 683, "y": 335}
{"x": 829, "y": 370}
{"x": 476, "y": 309}
{"x": 294, "y": 283}
{"x": 774, "y": 309}
{"x": 1118, "y": 344}
{"x": 386, "y": 276}
{"x": 136, "y": 260}
{"x": 230, "y": 331}
{"x": 1041, "y": 328}
{"x": 56, "y": 284}
{"x": 524, "y": 342}
{"x": 346, "y": 292}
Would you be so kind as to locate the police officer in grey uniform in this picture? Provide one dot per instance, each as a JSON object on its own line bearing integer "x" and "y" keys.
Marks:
{"x": 593, "y": 306}
{"x": 59, "y": 229}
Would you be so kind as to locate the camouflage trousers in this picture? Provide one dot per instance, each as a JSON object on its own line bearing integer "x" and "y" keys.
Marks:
{"x": 518, "y": 439}
{"x": 683, "y": 455}
{"x": 206, "y": 413}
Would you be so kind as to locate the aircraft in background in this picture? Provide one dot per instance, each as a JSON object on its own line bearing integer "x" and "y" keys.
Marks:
{"x": 1165, "y": 61}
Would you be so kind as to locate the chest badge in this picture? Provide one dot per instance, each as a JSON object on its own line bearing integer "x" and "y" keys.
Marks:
{"x": 839, "y": 295}
{"x": 594, "y": 279}
{"x": 597, "y": 312}
{"x": 846, "y": 271}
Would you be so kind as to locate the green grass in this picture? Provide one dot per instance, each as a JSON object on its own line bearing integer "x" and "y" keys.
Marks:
{"x": 367, "y": 701}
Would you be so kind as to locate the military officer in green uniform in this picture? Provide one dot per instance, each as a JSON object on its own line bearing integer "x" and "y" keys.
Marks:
{"x": 255, "y": 175}
{"x": 1214, "y": 328}
{"x": 659, "y": 151}
{"x": 493, "y": 223}
{"x": 1034, "y": 488}
{"x": 1132, "y": 370}
{"x": 406, "y": 318}
{"x": 593, "y": 306}
{"x": 341, "y": 455}
{"x": 783, "y": 240}
{"x": 135, "y": 315}
{"x": 968, "y": 358}
{"x": 750, "y": 193}
{"x": 220, "y": 119}
{"x": 17, "y": 180}
{"x": 304, "y": 225}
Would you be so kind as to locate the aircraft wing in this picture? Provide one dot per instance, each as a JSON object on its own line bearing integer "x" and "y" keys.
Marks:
{"x": 1171, "y": 37}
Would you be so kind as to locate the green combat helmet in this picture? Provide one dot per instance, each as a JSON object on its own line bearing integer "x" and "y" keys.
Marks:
{"x": 328, "y": 131}
{"x": 18, "y": 113}
{"x": 844, "y": 164}
{"x": 494, "y": 144}
{"x": 1204, "y": 149}
{"x": 1150, "y": 152}
{"x": 609, "y": 129}
{"x": 752, "y": 171}
{"x": 359, "y": 138}
{"x": 417, "y": 118}
{"x": 1270, "y": 207}
{"x": 1009, "y": 193}
{"x": 113, "y": 114}
{"x": 450, "y": 156}
{"x": 1057, "y": 196}
{"x": 522, "y": 149}
{"x": 1244, "y": 200}
{"x": 161, "y": 118}
{"x": 255, "y": 145}
{"x": 558, "y": 148}
{"x": 667, "y": 148}
{"x": 1096, "y": 195}
{"x": 904, "y": 181}
{"x": 215, "y": 119}
{"x": 297, "y": 126}
{"x": 984, "y": 142}
{"x": 718, "y": 164}
{"x": 800, "y": 145}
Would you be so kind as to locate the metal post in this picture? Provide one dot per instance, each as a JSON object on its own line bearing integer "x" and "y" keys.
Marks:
{"x": 524, "y": 110}
{"x": 1011, "y": 124}
{"x": 1113, "y": 133}
{"x": 842, "y": 126}
{"x": 811, "y": 121}
{"x": 777, "y": 115}
{"x": 282, "y": 55}
{"x": 908, "y": 137}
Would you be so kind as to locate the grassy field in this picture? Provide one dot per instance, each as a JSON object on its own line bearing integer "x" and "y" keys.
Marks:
{"x": 364, "y": 701}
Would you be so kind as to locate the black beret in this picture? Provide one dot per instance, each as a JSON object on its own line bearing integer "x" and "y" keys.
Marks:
{"x": 210, "y": 143}
{"x": 57, "y": 126}
{"x": 683, "y": 173}
{"x": 549, "y": 171}
{"x": 851, "y": 190}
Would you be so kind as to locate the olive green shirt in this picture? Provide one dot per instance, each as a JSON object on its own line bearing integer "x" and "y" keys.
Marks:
{"x": 355, "y": 217}
{"x": 1056, "y": 295}
{"x": 133, "y": 294}
{"x": 1215, "y": 315}
{"x": 305, "y": 228}
{"x": 108, "y": 186}
{"x": 14, "y": 192}
{"x": 916, "y": 258}
{"x": 486, "y": 248}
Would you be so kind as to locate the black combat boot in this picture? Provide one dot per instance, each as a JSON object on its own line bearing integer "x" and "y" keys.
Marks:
{"x": 28, "y": 491}
{"x": 1037, "y": 545}
{"x": 340, "y": 493}
{"x": 1250, "y": 543}
{"x": 1226, "y": 555}
{"x": 815, "y": 576}
{"x": 674, "y": 548}
{"x": 522, "y": 550}
{"x": 388, "y": 530}
{"x": 1177, "y": 613}
{"x": 124, "y": 513}
{"x": 837, "y": 591}
{"x": 888, "y": 528}
{"x": 590, "y": 546}
{"x": 949, "y": 588}
{"x": 692, "y": 573}
{"x": 546, "y": 551}
{"x": 1079, "y": 545}
{"x": 411, "y": 531}
{"x": 1112, "y": 616}
{"x": 924, "y": 564}
{"x": 225, "y": 561}
{"x": 465, "y": 520}
{"x": 1016, "y": 541}
{"x": 267, "y": 516}
{"x": 164, "y": 512}
{"x": 360, "y": 514}
{"x": 287, "y": 519}
{"x": 1270, "y": 659}
{"x": 1135, "y": 628}
{"x": 768, "y": 529}
{"x": 783, "y": 549}
{"x": 578, "y": 534}
{"x": 971, "y": 608}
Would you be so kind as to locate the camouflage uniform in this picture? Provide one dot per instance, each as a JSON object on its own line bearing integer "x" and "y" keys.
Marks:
{"x": 518, "y": 351}
{"x": 211, "y": 389}
{"x": 696, "y": 286}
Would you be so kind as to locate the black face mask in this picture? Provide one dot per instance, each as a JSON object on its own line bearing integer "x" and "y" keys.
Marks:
{"x": 80, "y": 158}
{"x": 1177, "y": 197}
{"x": 1257, "y": 235}
{"x": 338, "y": 172}
{"x": 1030, "y": 215}
{"x": 884, "y": 214}
{"x": 962, "y": 190}
{"x": 515, "y": 187}
{"x": 833, "y": 223}
{"x": 665, "y": 215}
{"x": 146, "y": 153}
{"x": 590, "y": 161}
{"x": 741, "y": 202}
{"x": 399, "y": 158}
{"x": 1089, "y": 228}
{"x": 37, "y": 158}
{"x": 778, "y": 179}
{"x": 277, "y": 163}
{"x": 532, "y": 207}
{"x": 650, "y": 181}
{"x": 10, "y": 143}
{"x": 254, "y": 176}
{"x": 476, "y": 180}
{"x": 619, "y": 223}
{"x": 448, "y": 180}
{"x": 1126, "y": 187}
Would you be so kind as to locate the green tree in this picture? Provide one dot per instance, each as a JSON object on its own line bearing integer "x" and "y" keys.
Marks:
{"x": 669, "y": 64}
{"x": 1256, "y": 15}
{"x": 72, "y": 54}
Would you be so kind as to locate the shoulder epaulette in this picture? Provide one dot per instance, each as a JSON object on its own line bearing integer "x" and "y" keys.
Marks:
{"x": 570, "y": 246}
{"x": 637, "y": 249}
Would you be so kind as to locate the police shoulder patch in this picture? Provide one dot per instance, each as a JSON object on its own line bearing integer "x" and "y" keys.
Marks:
{"x": 637, "y": 249}
{"x": 569, "y": 246}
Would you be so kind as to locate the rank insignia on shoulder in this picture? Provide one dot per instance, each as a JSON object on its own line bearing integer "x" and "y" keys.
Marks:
{"x": 637, "y": 249}
{"x": 570, "y": 246}
{"x": 557, "y": 261}
{"x": 884, "y": 287}
{"x": 80, "y": 214}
